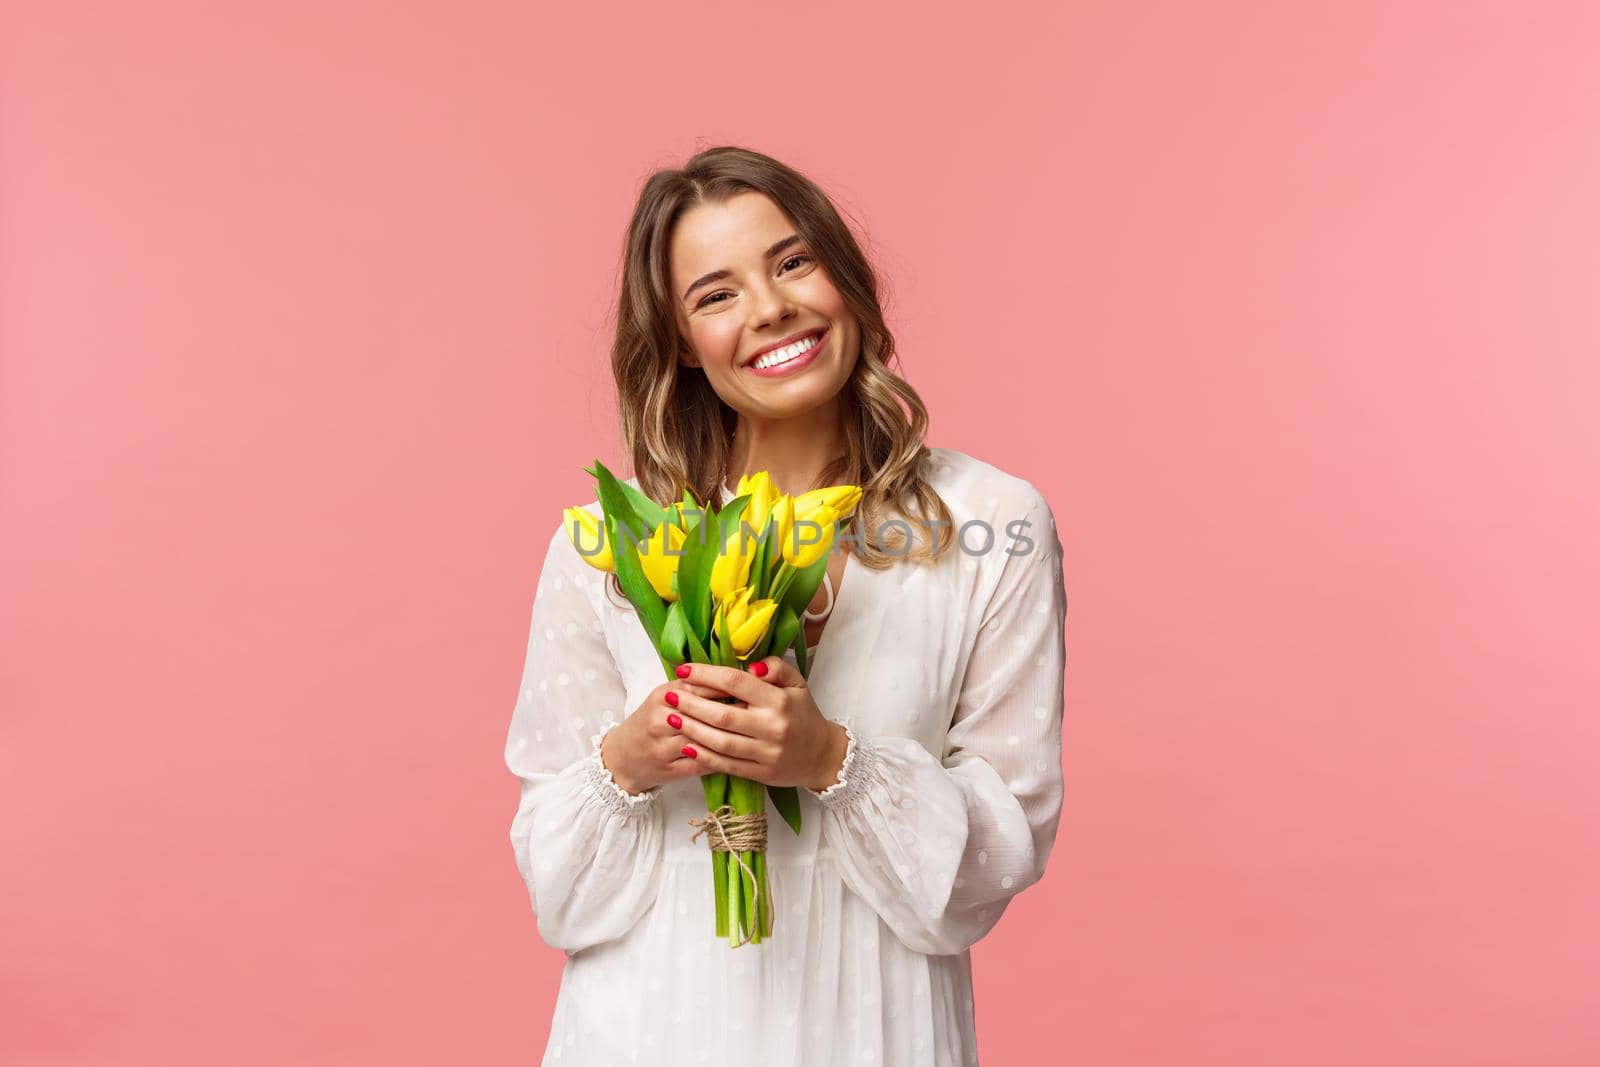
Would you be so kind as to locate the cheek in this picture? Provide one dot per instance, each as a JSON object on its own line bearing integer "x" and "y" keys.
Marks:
{"x": 827, "y": 301}
{"x": 722, "y": 338}
{"x": 825, "y": 298}
{"x": 716, "y": 339}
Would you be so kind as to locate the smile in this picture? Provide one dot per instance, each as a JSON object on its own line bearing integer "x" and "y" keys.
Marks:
{"x": 789, "y": 358}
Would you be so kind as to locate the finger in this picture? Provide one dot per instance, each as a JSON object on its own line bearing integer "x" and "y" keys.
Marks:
{"x": 738, "y": 683}
{"x": 729, "y": 718}
{"x": 685, "y": 767}
{"x": 710, "y": 761}
{"x": 703, "y": 736}
{"x": 678, "y": 685}
{"x": 780, "y": 672}
{"x": 679, "y": 765}
{"x": 666, "y": 700}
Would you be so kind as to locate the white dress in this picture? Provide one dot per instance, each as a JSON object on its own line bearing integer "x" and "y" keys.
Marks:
{"x": 949, "y": 679}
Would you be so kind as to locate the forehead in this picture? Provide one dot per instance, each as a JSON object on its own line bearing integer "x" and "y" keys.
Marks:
{"x": 711, "y": 237}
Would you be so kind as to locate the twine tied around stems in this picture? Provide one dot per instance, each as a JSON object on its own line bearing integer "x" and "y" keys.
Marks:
{"x": 736, "y": 833}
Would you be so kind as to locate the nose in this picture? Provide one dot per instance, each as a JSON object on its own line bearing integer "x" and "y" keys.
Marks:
{"x": 768, "y": 305}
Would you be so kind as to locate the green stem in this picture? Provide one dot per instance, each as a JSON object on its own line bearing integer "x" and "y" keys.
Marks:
{"x": 715, "y": 787}
{"x": 753, "y": 928}
{"x": 719, "y": 879}
{"x": 764, "y": 919}
{"x": 747, "y": 798}
{"x": 780, "y": 584}
{"x": 735, "y": 901}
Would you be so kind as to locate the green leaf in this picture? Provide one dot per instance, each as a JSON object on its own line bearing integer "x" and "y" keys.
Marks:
{"x": 697, "y": 652}
{"x": 787, "y": 800}
{"x": 637, "y": 588}
{"x": 673, "y": 635}
{"x": 642, "y": 506}
{"x": 728, "y": 518}
{"x": 616, "y": 504}
{"x": 785, "y": 623}
{"x": 700, "y": 549}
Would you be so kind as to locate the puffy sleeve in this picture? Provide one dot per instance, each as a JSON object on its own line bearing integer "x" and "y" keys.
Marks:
{"x": 589, "y": 851}
{"x": 938, "y": 847}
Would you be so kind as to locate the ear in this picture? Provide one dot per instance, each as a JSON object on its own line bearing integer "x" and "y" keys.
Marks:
{"x": 686, "y": 357}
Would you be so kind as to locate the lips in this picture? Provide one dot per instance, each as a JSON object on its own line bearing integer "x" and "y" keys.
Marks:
{"x": 785, "y": 343}
{"x": 795, "y": 365}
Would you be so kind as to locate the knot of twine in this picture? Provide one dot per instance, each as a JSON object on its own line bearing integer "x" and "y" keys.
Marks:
{"x": 736, "y": 833}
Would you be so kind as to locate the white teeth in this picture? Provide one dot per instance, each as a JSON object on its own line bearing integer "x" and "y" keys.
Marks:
{"x": 785, "y": 354}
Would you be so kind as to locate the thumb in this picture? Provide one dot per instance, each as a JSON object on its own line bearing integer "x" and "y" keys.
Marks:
{"x": 780, "y": 672}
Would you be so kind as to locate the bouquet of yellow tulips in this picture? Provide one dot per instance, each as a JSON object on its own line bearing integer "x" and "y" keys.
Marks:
{"x": 721, "y": 587}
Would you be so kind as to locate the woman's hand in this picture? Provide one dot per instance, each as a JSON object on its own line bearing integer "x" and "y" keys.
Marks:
{"x": 776, "y": 734}
{"x": 644, "y": 749}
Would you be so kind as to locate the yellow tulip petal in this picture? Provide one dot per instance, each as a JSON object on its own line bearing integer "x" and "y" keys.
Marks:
{"x": 589, "y": 538}
{"x": 753, "y": 627}
{"x": 841, "y": 498}
{"x": 817, "y": 531}
{"x": 761, "y": 611}
{"x": 658, "y": 558}
{"x": 783, "y": 517}
{"x": 762, "y": 492}
{"x": 731, "y": 568}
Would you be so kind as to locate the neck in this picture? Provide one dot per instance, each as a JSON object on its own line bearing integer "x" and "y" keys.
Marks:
{"x": 793, "y": 451}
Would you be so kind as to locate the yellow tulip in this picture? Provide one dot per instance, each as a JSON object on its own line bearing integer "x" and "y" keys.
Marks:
{"x": 767, "y": 503}
{"x": 747, "y": 620}
{"x": 783, "y": 517}
{"x": 594, "y": 549}
{"x": 731, "y": 569}
{"x": 841, "y": 498}
{"x": 804, "y": 555}
{"x": 762, "y": 494}
{"x": 658, "y": 558}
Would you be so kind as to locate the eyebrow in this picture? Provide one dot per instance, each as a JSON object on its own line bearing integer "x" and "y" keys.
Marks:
{"x": 718, "y": 275}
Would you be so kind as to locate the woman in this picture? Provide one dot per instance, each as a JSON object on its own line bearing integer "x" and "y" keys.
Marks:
{"x": 927, "y": 740}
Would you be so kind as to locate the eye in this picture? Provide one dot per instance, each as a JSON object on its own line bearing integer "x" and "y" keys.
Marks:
{"x": 709, "y": 297}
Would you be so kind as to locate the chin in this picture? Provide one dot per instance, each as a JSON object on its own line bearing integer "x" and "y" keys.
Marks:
{"x": 805, "y": 397}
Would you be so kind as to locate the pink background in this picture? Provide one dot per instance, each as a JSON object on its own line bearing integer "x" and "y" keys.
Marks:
{"x": 1289, "y": 310}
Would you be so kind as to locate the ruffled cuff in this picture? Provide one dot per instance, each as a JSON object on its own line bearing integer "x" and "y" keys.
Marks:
{"x": 858, "y": 770}
{"x": 604, "y": 788}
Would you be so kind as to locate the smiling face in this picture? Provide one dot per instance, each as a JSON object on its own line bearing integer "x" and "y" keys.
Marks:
{"x": 760, "y": 314}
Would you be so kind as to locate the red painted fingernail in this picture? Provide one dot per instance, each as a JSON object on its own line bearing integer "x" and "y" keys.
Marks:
{"x": 758, "y": 669}
{"x": 672, "y": 698}
{"x": 683, "y": 670}
{"x": 688, "y": 750}
{"x": 675, "y": 721}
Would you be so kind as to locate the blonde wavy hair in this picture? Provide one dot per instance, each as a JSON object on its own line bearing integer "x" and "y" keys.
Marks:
{"x": 677, "y": 429}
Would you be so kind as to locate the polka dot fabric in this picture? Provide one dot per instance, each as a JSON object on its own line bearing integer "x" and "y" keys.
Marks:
{"x": 948, "y": 677}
